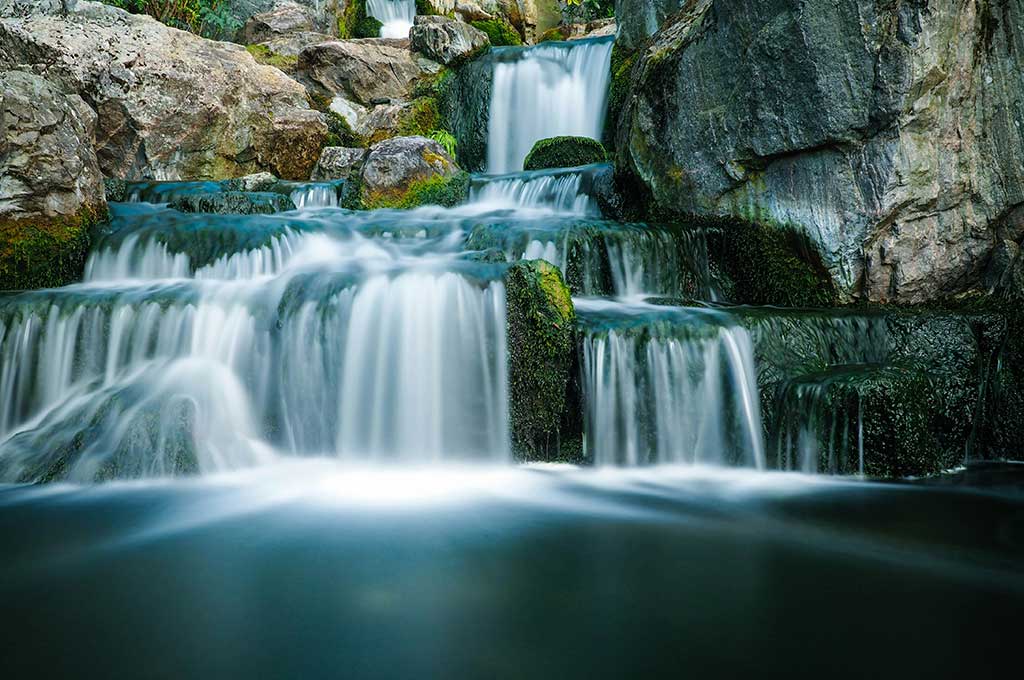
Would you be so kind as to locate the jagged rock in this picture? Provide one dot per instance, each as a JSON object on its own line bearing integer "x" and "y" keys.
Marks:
{"x": 640, "y": 19}
{"x": 51, "y": 189}
{"x": 169, "y": 104}
{"x": 292, "y": 44}
{"x": 367, "y": 72}
{"x": 599, "y": 28}
{"x": 445, "y": 40}
{"x": 407, "y": 171}
{"x": 468, "y": 11}
{"x": 890, "y": 135}
{"x": 338, "y": 162}
{"x": 233, "y": 203}
{"x": 284, "y": 19}
{"x": 324, "y": 15}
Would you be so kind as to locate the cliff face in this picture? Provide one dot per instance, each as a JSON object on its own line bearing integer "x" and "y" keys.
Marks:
{"x": 890, "y": 131}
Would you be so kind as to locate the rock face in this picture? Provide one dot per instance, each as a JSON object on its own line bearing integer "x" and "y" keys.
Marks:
{"x": 51, "y": 189}
{"x": 640, "y": 19}
{"x": 445, "y": 40}
{"x": 170, "y": 105}
{"x": 283, "y": 19}
{"x": 564, "y": 152}
{"x": 368, "y": 71}
{"x": 399, "y": 171}
{"x": 338, "y": 162}
{"x": 233, "y": 203}
{"x": 891, "y": 135}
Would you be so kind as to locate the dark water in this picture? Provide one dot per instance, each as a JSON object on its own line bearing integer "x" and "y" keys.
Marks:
{"x": 313, "y": 570}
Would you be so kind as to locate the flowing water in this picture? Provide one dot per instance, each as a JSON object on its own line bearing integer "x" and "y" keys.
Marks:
{"x": 545, "y": 91}
{"x": 396, "y": 16}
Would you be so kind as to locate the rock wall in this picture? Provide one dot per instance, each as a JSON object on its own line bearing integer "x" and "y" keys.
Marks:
{"x": 640, "y": 19}
{"x": 891, "y": 133}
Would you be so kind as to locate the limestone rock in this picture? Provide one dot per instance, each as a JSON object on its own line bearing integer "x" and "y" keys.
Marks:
{"x": 51, "y": 189}
{"x": 397, "y": 170}
{"x": 170, "y": 105}
{"x": 889, "y": 134}
{"x": 367, "y": 71}
{"x": 338, "y": 162}
{"x": 445, "y": 40}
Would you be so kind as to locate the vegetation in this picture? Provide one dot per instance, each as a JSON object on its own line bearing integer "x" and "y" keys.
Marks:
{"x": 264, "y": 55}
{"x": 500, "y": 32}
{"x": 340, "y": 133}
{"x": 564, "y": 152}
{"x": 446, "y": 140}
{"x": 356, "y": 23}
{"x": 437, "y": 190}
{"x": 46, "y": 252}
{"x": 209, "y": 18}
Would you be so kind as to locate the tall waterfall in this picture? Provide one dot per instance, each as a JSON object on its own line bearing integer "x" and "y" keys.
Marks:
{"x": 545, "y": 91}
{"x": 396, "y": 16}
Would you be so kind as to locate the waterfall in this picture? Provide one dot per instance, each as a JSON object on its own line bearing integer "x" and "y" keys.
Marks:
{"x": 316, "y": 195}
{"x": 545, "y": 91}
{"x": 561, "y": 192}
{"x": 396, "y": 16}
{"x": 668, "y": 385}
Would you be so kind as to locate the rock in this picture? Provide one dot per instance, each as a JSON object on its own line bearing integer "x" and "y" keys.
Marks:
{"x": 889, "y": 134}
{"x": 337, "y": 162}
{"x": 640, "y": 19}
{"x": 445, "y": 40}
{"x": 233, "y": 203}
{"x": 291, "y": 45}
{"x": 364, "y": 71}
{"x": 599, "y": 28}
{"x": 541, "y": 338}
{"x": 258, "y": 182}
{"x": 51, "y": 189}
{"x": 564, "y": 152}
{"x": 463, "y": 101}
{"x": 499, "y": 32}
{"x": 405, "y": 172}
{"x": 230, "y": 116}
{"x": 467, "y": 11}
{"x": 285, "y": 18}
{"x": 323, "y": 15}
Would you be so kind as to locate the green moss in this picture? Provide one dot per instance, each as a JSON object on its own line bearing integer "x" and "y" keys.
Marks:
{"x": 263, "y": 55}
{"x": 500, "y": 31}
{"x": 421, "y": 118}
{"x": 564, "y": 152}
{"x": 541, "y": 338}
{"x": 340, "y": 133}
{"x": 437, "y": 190}
{"x": 621, "y": 82}
{"x": 556, "y": 34}
{"x": 46, "y": 252}
{"x": 355, "y": 22}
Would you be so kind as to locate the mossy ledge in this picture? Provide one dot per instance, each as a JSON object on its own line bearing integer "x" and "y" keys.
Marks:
{"x": 46, "y": 252}
{"x": 541, "y": 339}
{"x": 355, "y": 22}
{"x": 438, "y": 190}
{"x": 564, "y": 152}
{"x": 500, "y": 32}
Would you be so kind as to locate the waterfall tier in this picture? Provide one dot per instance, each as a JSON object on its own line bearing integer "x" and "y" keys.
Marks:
{"x": 396, "y": 16}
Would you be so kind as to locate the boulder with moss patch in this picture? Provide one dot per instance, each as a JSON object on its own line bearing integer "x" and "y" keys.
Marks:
{"x": 499, "y": 32}
{"x": 338, "y": 162}
{"x": 564, "y": 152}
{"x": 51, "y": 190}
{"x": 445, "y": 40}
{"x": 405, "y": 172}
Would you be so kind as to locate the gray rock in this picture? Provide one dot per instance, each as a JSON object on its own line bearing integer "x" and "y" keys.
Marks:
{"x": 292, "y": 44}
{"x": 464, "y": 103}
{"x": 233, "y": 203}
{"x": 338, "y": 162}
{"x": 364, "y": 71}
{"x": 640, "y": 19}
{"x": 396, "y": 165}
{"x": 324, "y": 15}
{"x": 891, "y": 135}
{"x": 170, "y": 105}
{"x": 283, "y": 19}
{"x": 258, "y": 182}
{"x": 445, "y": 40}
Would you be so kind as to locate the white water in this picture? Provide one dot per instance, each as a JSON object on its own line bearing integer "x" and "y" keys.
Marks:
{"x": 559, "y": 193}
{"x": 396, "y": 16}
{"x": 546, "y": 91}
{"x": 316, "y": 195}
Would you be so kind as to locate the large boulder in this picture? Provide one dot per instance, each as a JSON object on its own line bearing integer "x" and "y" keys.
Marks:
{"x": 338, "y": 162}
{"x": 51, "y": 189}
{"x": 367, "y": 72}
{"x": 445, "y": 40}
{"x": 283, "y": 19}
{"x": 564, "y": 152}
{"x": 889, "y": 134}
{"x": 405, "y": 172}
{"x": 170, "y": 104}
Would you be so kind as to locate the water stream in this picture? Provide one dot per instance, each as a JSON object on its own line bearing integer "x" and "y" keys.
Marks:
{"x": 396, "y": 16}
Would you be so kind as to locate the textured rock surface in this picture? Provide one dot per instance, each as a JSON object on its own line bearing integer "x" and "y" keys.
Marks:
{"x": 338, "y": 162}
{"x": 599, "y": 28}
{"x": 51, "y": 189}
{"x": 640, "y": 19}
{"x": 398, "y": 167}
{"x": 564, "y": 152}
{"x": 170, "y": 105}
{"x": 283, "y": 19}
{"x": 445, "y": 40}
{"x": 368, "y": 71}
{"x": 891, "y": 134}
{"x": 464, "y": 100}
{"x": 233, "y": 203}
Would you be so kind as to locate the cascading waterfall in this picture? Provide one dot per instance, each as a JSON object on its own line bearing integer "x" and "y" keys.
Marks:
{"x": 559, "y": 191}
{"x": 545, "y": 91}
{"x": 668, "y": 385}
{"x": 396, "y": 16}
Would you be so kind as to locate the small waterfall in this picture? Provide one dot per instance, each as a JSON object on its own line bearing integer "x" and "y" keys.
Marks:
{"x": 396, "y": 16}
{"x": 561, "y": 192}
{"x": 316, "y": 195}
{"x": 545, "y": 91}
{"x": 668, "y": 385}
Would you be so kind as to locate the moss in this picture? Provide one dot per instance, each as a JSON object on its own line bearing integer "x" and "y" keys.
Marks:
{"x": 426, "y": 8}
{"x": 541, "y": 339}
{"x": 564, "y": 152}
{"x": 340, "y": 133}
{"x": 264, "y": 55}
{"x": 500, "y": 31}
{"x": 556, "y": 34}
{"x": 421, "y": 119}
{"x": 355, "y": 22}
{"x": 622, "y": 64}
{"x": 46, "y": 252}
{"x": 436, "y": 190}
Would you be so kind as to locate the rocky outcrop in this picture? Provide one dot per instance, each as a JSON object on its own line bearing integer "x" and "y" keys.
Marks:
{"x": 338, "y": 162}
{"x": 889, "y": 134}
{"x": 233, "y": 203}
{"x": 324, "y": 15}
{"x": 640, "y": 19}
{"x": 463, "y": 101}
{"x": 169, "y": 104}
{"x": 445, "y": 40}
{"x": 599, "y": 28}
{"x": 405, "y": 172}
{"x": 366, "y": 72}
{"x": 283, "y": 19}
{"x": 51, "y": 189}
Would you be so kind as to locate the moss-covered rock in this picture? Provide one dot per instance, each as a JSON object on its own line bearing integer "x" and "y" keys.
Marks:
{"x": 500, "y": 32}
{"x": 438, "y": 190}
{"x": 355, "y": 22}
{"x": 564, "y": 152}
{"x": 234, "y": 203}
{"x": 406, "y": 172}
{"x": 264, "y": 55}
{"x": 463, "y": 98}
{"x": 46, "y": 252}
{"x": 541, "y": 337}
